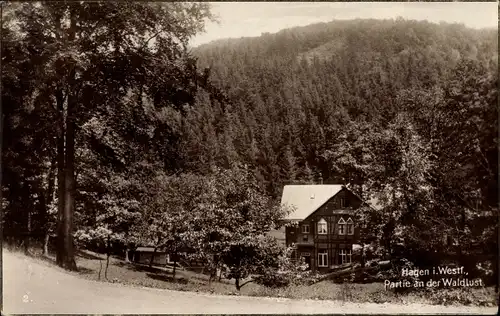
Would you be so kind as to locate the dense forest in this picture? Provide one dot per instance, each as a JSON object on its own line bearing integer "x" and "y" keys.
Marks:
{"x": 296, "y": 94}
{"x": 116, "y": 134}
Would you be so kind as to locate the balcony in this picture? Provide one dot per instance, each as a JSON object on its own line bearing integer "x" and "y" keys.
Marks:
{"x": 305, "y": 243}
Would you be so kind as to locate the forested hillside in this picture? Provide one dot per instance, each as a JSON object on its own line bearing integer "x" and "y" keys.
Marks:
{"x": 297, "y": 93}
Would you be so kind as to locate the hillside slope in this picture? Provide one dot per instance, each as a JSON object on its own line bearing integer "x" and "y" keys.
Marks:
{"x": 33, "y": 288}
{"x": 292, "y": 91}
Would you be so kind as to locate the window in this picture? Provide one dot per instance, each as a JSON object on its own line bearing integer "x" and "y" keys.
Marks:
{"x": 306, "y": 254}
{"x": 350, "y": 227}
{"x": 344, "y": 202}
{"x": 345, "y": 256}
{"x": 305, "y": 229}
{"x": 342, "y": 225}
{"x": 322, "y": 228}
{"x": 322, "y": 258}
{"x": 305, "y": 237}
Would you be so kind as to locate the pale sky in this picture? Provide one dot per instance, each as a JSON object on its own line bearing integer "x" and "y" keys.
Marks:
{"x": 242, "y": 19}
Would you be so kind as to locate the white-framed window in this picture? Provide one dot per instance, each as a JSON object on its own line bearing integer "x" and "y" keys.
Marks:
{"x": 345, "y": 256}
{"x": 305, "y": 228}
{"x": 350, "y": 226}
{"x": 322, "y": 258}
{"x": 342, "y": 225}
{"x": 322, "y": 227}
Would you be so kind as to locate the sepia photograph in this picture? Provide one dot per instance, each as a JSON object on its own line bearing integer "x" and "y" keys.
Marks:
{"x": 249, "y": 157}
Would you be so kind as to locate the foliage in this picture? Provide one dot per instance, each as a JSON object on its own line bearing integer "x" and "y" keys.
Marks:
{"x": 231, "y": 224}
{"x": 285, "y": 272}
{"x": 165, "y": 220}
{"x": 84, "y": 70}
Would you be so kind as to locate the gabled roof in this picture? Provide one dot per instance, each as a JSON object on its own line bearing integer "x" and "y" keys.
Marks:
{"x": 149, "y": 249}
{"x": 305, "y": 199}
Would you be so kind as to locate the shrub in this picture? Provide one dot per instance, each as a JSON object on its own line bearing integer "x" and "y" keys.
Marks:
{"x": 286, "y": 272}
{"x": 461, "y": 295}
{"x": 274, "y": 280}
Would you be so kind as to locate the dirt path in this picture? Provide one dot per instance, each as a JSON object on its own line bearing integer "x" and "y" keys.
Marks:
{"x": 32, "y": 287}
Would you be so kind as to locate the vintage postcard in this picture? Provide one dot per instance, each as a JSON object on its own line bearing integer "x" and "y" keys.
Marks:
{"x": 249, "y": 157}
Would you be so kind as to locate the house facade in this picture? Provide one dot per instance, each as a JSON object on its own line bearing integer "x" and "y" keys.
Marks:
{"x": 322, "y": 225}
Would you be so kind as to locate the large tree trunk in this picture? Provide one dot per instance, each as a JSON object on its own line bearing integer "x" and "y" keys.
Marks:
{"x": 60, "y": 180}
{"x": 66, "y": 188}
{"x": 60, "y": 202}
{"x": 67, "y": 246}
{"x": 59, "y": 96}
{"x": 68, "y": 260}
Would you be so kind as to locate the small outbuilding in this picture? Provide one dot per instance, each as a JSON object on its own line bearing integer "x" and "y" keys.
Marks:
{"x": 144, "y": 254}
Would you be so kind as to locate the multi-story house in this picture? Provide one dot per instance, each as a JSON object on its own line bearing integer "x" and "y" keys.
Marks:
{"x": 321, "y": 226}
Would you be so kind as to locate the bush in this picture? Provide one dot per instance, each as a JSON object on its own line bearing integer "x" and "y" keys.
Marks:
{"x": 285, "y": 272}
{"x": 282, "y": 279}
{"x": 274, "y": 280}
